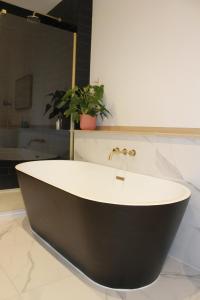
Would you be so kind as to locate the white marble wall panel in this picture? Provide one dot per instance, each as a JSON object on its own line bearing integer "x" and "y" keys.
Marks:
{"x": 175, "y": 158}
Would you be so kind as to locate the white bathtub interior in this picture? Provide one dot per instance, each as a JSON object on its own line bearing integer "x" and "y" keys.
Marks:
{"x": 135, "y": 189}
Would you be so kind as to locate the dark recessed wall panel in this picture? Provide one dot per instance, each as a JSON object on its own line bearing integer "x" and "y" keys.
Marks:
{"x": 79, "y": 13}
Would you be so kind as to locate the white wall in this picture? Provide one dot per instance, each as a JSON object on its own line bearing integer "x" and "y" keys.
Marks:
{"x": 147, "y": 53}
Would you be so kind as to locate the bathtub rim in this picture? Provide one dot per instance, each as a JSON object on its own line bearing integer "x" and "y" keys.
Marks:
{"x": 180, "y": 199}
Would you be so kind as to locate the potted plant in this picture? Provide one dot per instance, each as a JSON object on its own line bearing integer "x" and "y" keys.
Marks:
{"x": 84, "y": 105}
{"x": 53, "y": 110}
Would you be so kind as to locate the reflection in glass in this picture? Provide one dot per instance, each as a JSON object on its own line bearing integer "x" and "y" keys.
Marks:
{"x": 35, "y": 61}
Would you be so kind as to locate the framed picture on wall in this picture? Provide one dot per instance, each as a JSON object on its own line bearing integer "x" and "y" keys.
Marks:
{"x": 23, "y": 92}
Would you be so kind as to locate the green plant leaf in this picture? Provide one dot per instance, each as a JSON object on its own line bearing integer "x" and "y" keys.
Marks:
{"x": 47, "y": 108}
{"x": 77, "y": 101}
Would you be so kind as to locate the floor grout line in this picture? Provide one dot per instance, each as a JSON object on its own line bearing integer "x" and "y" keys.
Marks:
{"x": 43, "y": 285}
{"x": 184, "y": 263}
{"x": 3, "y": 269}
{"x": 21, "y": 292}
{"x": 9, "y": 279}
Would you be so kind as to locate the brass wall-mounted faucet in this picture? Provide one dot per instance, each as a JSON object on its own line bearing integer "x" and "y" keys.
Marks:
{"x": 41, "y": 141}
{"x": 114, "y": 151}
{"x": 124, "y": 151}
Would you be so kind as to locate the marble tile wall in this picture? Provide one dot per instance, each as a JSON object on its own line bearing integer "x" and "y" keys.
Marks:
{"x": 175, "y": 158}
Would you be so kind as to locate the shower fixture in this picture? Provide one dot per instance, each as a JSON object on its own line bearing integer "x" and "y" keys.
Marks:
{"x": 34, "y": 18}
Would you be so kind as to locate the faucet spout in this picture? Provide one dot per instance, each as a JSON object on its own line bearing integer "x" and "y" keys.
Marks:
{"x": 41, "y": 141}
{"x": 114, "y": 151}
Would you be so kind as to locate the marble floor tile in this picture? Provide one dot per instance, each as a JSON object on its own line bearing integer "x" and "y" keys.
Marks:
{"x": 113, "y": 296}
{"x": 26, "y": 263}
{"x": 8, "y": 219}
{"x": 176, "y": 282}
{"x": 13, "y": 298}
{"x": 7, "y": 289}
{"x": 11, "y": 200}
{"x": 29, "y": 272}
{"x": 70, "y": 288}
{"x": 6, "y": 226}
{"x": 138, "y": 295}
{"x": 194, "y": 297}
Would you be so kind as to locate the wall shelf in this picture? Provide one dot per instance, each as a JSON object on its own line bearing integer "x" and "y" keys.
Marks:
{"x": 163, "y": 131}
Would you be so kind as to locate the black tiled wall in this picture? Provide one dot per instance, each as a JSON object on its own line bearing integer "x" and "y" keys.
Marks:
{"x": 79, "y": 13}
{"x": 8, "y": 177}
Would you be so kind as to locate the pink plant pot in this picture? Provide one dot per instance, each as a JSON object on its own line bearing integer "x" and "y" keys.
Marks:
{"x": 87, "y": 122}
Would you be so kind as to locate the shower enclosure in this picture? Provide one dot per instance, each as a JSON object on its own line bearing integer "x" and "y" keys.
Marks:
{"x": 37, "y": 59}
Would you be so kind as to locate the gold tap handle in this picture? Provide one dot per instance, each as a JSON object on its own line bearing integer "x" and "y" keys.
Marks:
{"x": 124, "y": 151}
{"x": 132, "y": 152}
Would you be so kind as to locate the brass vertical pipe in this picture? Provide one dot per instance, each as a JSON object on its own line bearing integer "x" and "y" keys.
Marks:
{"x": 74, "y": 60}
{"x": 73, "y": 85}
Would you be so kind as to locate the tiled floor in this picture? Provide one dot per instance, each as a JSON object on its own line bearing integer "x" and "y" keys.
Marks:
{"x": 29, "y": 272}
{"x": 11, "y": 200}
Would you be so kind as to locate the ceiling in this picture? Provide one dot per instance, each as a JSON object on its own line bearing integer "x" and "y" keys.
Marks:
{"x": 42, "y": 6}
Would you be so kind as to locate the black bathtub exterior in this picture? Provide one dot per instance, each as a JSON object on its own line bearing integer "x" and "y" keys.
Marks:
{"x": 118, "y": 246}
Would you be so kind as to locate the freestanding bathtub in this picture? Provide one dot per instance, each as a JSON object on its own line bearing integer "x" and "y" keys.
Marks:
{"x": 114, "y": 226}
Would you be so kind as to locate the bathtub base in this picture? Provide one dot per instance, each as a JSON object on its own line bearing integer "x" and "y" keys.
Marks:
{"x": 82, "y": 275}
{"x": 117, "y": 246}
